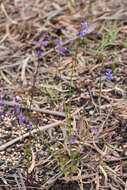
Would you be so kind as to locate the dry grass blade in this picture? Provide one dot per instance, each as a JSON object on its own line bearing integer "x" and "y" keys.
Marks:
{"x": 21, "y": 179}
{"x": 30, "y": 169}
{"x": 3, "y": 9}
{"x": 105, "y": 174}
{"x": 99, "y": 150}
{"x": 5, "y": 78}
{"x": 24, "y": 66}
{"x": 18, "y": 184}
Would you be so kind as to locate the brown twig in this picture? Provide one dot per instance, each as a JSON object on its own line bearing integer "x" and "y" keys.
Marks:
{"x": 4, "y": 146}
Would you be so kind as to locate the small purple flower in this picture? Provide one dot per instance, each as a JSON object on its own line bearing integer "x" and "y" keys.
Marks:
{"x": 109, "y": 59}
{"x": 62, "y": 50}
{"x": 95, "y": 131}
{"x": 21, "y": 118}
{"x": 39, "y": 53}
{"x": 0, "y": 90}
{"x": 30, "y": 125}
{"x": 81, "y": 33}
{"x": 43, "y": 42}
{"x": 85, "y": 23}
{"x": 108, "y": 73}
{"x": 8, "y": 115}
{"x": 46, "y": 35}
{"x": 13, "y": 109}
{"x": 1, "y": 115}
{"x": 17, "y": 109}
{"x": 58, "y": 42}
{"x": 16, "y": 99}
{"x": 72, "y": 140}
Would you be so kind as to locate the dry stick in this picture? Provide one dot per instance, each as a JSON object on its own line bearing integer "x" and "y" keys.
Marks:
{"x": 10, "y": 65}
{"x": 4, "y": 146}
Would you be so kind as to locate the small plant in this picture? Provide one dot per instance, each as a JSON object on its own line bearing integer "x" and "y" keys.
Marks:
{"x": 71, "y": 142}
{"x": 112, "y": 32}
{"x": 108, "y": 73}
{"x": 53, "y": 94}
{"x": 25, "y": 118}
{"x": 108, "y": 39}
{"x": 73, "y": 153}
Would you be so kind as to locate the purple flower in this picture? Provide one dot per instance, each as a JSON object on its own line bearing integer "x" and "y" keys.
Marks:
{"x": 95, "y": 131}
{"x": 108, "y": 73}
{"x": 81, "y": 33}
{"x": 13, "y": 109}
{"x": 16, "y": 99}
{"x": 1, "y": 115}
{"x": 43, "y": 42}
{"x": 30, "y": 125}
{"x": 46, "y": 35}
{"x": 17, "y": 109}
{"x": 62, "y": 50}
{"x": 8, "y": 115}
{"x": 58, "y": 42}
{"x": 0, "y": 90}
{"x": 72, "y": 140}
{"x": 85, "y": 23}
{"x": 109, "y": 59}
{"x": 21, "y": 118}
{"x": 40, "y": 53}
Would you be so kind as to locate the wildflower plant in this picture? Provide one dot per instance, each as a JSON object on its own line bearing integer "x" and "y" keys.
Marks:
{"x": 73, "y": 154}
{"x": 82, "y": 32}
{"x": 95, "y": 131}
{"x": 61, "y": 49}
{"x": 43, "y": 43}
{"x": 22, "y": 122}
{"x": 72, "y": 140}
{"x": 112, "y": 32}
{"x": 107, "y": 40}
{"x": 21, "y": 119}
{"x": 53, "y": 94}
{"x": 108, "y": 73}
